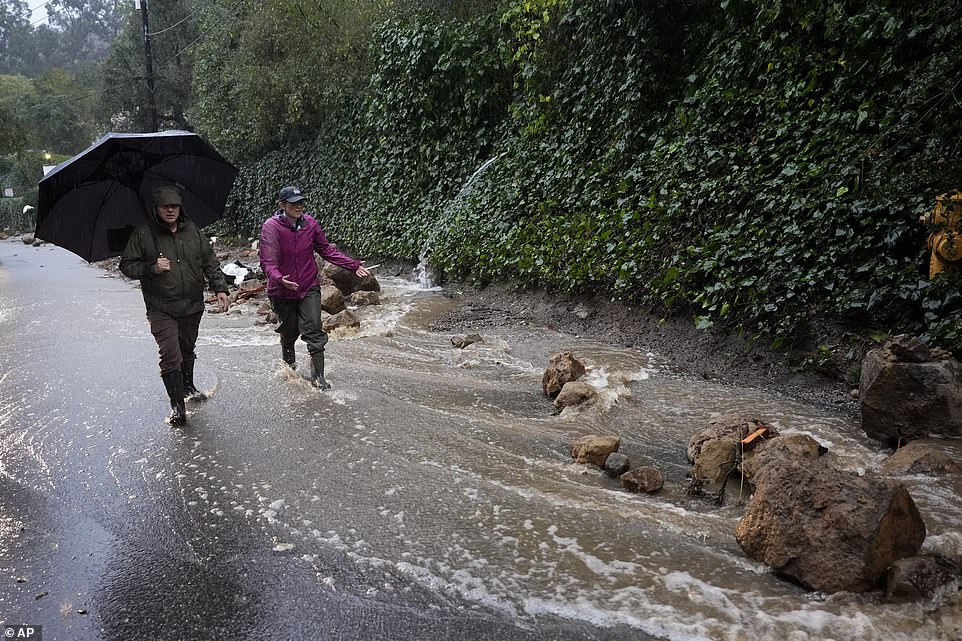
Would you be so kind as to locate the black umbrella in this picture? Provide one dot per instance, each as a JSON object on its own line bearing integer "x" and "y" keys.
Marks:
{"x": 91, "y": 203}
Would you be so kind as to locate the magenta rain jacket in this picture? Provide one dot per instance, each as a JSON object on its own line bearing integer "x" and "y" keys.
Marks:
{"x": 285, "y": 251}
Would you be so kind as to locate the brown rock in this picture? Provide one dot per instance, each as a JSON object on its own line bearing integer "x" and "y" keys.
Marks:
{"x": 826, "y": 529}
{"x": 593, "y": 448}
{"x": 463, "y": 341}
{"x": 920, "y": 577}
{"x": 364, "y": 298}
{"x": 733, "y": 427}
{"x": 715, "y": 461}
{"x": 332, "y": 300}
{"x": 921, "y": 457}
{"x": 562, "y": 368}
{"x": 781, "y": 451}
{"x": 339, "y": 320}
{"x": 347, "y": 281}
{"x": 643, "y": 479}
{"x": 575, "y": 393}
{"x": 906, "y": 393}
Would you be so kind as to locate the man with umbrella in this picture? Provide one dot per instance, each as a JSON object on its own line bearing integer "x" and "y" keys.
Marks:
{"x": 171, "y": 258}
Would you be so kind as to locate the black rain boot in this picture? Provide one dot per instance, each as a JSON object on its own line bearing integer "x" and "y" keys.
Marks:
{"x": 174, "y": 382}
{"x": 191, "y": 393}
{"x": 287, "y": 353}
{"x": 317, "y": 371}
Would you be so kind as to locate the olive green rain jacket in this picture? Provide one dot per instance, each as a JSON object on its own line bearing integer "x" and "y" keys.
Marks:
{"x": 179, "y": 292}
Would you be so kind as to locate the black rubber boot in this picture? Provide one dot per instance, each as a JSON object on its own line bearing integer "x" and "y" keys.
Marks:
{"x": 174, "y": 382}
{"x": 190, "y": 390}
{"x": 317, "y": 371}
{"x": 287, "y": 353}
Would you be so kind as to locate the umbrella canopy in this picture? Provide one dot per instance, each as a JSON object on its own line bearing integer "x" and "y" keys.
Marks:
{"x": 91, "y": 203}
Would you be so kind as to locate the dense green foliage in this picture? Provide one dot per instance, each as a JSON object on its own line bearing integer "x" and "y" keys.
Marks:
{"x": 761, "y": 164}
{"x": 12, "y": 215}
{"x": 758, "y": 164}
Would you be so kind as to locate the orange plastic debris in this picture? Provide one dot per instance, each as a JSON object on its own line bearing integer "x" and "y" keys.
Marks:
{"x": 756, "y": 437}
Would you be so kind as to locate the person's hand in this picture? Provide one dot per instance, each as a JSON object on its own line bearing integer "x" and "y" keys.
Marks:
{"x": 361, "y": 272}
{"x": 162, "y": 264}
{"x": 223, "y": 302}
{"x": 289, "y": 284}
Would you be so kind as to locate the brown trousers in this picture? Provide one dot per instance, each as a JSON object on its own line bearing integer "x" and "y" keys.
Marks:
{"x": 175, "y": 338}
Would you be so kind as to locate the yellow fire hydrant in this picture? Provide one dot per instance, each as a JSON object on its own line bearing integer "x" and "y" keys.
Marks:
{"x": 945, "y": 241}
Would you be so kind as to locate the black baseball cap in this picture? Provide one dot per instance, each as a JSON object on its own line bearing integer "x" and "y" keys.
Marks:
{"x": 290, "y": 194}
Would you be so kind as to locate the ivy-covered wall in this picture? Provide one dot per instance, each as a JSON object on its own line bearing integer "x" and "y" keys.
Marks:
{"x": 12, "y": 216}
{"x": 757, "y": 164}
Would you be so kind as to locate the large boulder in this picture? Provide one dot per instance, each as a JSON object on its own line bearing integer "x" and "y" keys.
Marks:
{"x": 347, "y": 281}
{"x": 732, "y": 427}
{"x": 908, "y": 392}
{"x": 593, "y": 448}
{"x": 332, "y": 300}
{"x": 826, "y": 529}
{"x": 563, "y": 368}
{"x": 364, "y": 298}
{"x": 341, "y": 320}
{"x": 783, "y": 450}
{"x": 715, "y": 462}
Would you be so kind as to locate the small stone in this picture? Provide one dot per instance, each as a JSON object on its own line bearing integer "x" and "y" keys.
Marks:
{"x": 643, "y": 479}
{"x": 463, "y": 341}
{"x": 921, "y": 577}
{"x": 617, "y": 464}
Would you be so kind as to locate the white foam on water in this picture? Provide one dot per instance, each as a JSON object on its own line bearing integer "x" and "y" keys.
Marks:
{"x": 382, "y": 323}
{"x": 460, "y": 583}
{"x": 666, "y": 624}
{"x": 237, "y": 337}
{"x": 948, "y": 544}
{"x": 8, "y": 313}
{"x": 598, "y": 566}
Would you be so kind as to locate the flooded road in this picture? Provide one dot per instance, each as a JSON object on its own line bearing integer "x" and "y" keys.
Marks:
{"x": 428, "y": 496}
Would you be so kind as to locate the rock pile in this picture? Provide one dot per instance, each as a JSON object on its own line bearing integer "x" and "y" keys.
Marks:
{"x": 811, "y": 521}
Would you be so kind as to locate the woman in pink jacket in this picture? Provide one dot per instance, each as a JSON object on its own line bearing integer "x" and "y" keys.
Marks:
{"x": 289, "y": 239}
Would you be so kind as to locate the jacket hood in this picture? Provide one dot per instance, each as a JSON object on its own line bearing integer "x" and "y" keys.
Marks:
{"x": 182, "y": 220}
